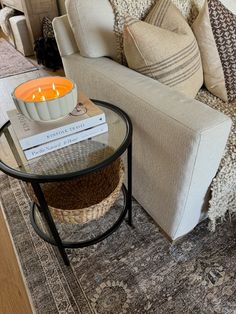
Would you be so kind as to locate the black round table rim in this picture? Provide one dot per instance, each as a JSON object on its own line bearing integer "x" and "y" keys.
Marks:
{"x": 67, "y": 176}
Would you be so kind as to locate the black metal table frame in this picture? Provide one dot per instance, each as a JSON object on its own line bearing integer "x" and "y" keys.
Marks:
{"x": 35, "y": 181}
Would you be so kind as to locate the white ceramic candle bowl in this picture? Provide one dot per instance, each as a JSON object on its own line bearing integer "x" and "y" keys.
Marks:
{"x": 46, "y": 98}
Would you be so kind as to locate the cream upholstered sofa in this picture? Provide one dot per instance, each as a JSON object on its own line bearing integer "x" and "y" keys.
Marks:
{"x": 178, "y": 142}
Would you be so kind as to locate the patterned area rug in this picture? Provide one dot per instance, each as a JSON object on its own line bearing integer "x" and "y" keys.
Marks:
{"x": 135, "y": 270}
{"x": 13, "y": 62}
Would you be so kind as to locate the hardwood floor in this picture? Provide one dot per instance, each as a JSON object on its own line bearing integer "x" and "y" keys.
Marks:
{"x": 13, "y": 294}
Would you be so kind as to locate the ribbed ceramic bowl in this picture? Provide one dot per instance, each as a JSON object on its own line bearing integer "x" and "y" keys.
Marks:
{"x": 58, "y": 102}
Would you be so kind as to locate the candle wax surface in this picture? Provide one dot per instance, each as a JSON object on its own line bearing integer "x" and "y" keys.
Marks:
{"x": 48, "y": 93}
{"x": 45, "y": 88}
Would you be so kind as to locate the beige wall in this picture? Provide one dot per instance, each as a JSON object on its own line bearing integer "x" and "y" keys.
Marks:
{"x": 62, "y": 6}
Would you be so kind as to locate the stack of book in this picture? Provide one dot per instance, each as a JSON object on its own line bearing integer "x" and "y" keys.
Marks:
{"x": 39, "y": 138}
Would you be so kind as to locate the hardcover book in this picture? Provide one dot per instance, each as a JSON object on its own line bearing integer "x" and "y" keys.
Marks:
{"x": 31, "y": 133}
{"x": 65, "y": 141}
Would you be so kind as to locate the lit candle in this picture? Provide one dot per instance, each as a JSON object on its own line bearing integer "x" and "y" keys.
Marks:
{"x": 39, "y": 98}
{"x": 42, "y": 94}
{"x": 38, "y": 95}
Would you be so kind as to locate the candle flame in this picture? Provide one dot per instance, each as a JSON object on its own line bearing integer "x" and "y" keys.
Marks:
{"x": 48, "y": 93}
{"x": 55, "y": 90}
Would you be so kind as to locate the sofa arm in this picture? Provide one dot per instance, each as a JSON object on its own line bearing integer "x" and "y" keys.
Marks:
{"x": 64, "y": 36}
{"x": 178, "y": 142}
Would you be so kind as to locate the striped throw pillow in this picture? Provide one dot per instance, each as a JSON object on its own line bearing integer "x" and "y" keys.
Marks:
{"x": 215, "y": 30}
{"x": 164, "y": 48}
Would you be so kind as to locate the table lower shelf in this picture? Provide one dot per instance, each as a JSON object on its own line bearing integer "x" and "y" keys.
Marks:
{"x": 80, "y": 244}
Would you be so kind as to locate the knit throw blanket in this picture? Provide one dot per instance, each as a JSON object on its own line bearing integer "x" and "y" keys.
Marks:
{"x": 223, "y": 187}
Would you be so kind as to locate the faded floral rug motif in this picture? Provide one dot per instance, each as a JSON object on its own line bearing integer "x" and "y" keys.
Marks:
{"x": 135, "y": 270}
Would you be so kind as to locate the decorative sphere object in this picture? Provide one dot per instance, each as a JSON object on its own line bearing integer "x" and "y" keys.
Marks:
{"x": 46, "y": 98}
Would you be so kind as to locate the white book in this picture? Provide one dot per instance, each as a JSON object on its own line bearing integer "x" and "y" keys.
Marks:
{"x": 65, "y": 141}
{"x": 31, "y": 133}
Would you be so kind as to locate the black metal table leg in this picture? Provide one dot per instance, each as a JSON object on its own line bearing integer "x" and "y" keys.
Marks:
{"x": 44, "y": 207}
{"x": 129, "y": 190}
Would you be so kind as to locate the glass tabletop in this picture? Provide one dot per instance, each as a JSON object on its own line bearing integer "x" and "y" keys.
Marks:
{"x": 71, "y": 161}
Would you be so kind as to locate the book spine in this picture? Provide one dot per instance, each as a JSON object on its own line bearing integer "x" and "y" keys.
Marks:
{"x": 65, "y": 141}
{"x": 60, "y": 132}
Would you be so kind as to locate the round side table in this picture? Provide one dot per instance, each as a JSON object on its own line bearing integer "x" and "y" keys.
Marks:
{"x": 65, "y": 164}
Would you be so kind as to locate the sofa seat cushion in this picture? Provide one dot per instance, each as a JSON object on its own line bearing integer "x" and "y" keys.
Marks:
{"x": 215, "y": 30}
{"x": 166, "y": 51}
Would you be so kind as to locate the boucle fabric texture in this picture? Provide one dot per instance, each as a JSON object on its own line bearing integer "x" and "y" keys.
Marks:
{"x": 140, "y": 9}
{"x": 175, "y": 62}
{"x": 215, "y": 30}
{"x": 189, "y": 8}
{"x": 223, "y": 187}
{"x": 123, "y": 8}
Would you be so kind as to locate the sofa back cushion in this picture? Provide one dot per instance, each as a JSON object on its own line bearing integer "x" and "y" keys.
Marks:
{"x": 92, "y": 23}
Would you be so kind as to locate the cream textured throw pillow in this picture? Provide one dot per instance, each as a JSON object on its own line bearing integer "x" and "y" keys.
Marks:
{"x": 166, "y": 51}
{"x": 215, "y": 30}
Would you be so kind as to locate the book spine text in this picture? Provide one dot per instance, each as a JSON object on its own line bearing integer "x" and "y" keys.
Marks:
{"x": 65, "y": 141}
{"x": 60, "y": 132}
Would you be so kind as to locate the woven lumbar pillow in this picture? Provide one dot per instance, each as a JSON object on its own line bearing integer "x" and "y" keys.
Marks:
{"x": 215, "y": 30}
{"x": 166, "y": 51}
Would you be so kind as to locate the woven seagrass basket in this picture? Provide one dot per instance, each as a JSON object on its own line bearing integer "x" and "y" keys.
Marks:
{"x": 87, "y": 198}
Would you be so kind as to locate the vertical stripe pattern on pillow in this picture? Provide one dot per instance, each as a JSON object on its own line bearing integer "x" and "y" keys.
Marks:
{"x": 158, "y": 13}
